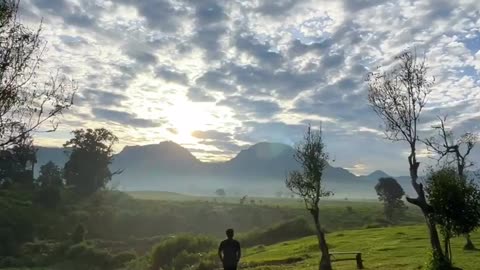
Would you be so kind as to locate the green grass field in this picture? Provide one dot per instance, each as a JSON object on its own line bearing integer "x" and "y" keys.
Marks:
{"x": 401, "y": 248}
{"x": 268, "y": 201}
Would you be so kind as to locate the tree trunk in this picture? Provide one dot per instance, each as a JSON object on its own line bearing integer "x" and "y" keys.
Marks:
{"x": 325, "y": 262}
{"x": 469, "y": 245}
{"x": 447, "y": 248}
{"x": 421, "y": 202}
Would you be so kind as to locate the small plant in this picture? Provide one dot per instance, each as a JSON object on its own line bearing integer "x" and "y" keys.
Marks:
{"x": 79, "y": 234}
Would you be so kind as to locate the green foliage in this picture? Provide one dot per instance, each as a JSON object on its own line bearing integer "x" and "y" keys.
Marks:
{"x": 50, "y": 175}
{"x": 179, "y": 250}
{"x": 89, "y": 256}
{"x": 91, "y": 154}
{"x": 78, "y": 234}
{"x": 288, "y": 230}
{"x": 390, "y": 193}
{"x": 16, "y": 221}
{"x": 16, "y": 166}
{"x": 455, "y": 202}
{"x": 435, "y": 262}
{"x": 312, "y": 157}
{"x": 48, "y": 196}
{"x": 122, "y": 258}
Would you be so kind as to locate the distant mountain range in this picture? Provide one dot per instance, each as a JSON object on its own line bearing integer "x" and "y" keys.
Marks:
{"x": 260, "y": 169}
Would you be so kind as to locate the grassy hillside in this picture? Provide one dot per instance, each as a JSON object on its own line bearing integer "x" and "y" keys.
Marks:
{"x": 398, "y": 248}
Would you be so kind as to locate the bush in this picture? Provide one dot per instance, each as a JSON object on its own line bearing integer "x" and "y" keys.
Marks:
{"x": 289, "y": 230}
{"x": 436, "y": 262}
{"x": 122, "y": 258}
{"x": 185, "y": 260}
{"x": 87, "y": 255}
{"x": 165, "y": 253}
{"x": 79, "y": 234}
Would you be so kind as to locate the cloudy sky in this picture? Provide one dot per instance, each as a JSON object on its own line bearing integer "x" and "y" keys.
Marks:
{"x": 218, "y": 75}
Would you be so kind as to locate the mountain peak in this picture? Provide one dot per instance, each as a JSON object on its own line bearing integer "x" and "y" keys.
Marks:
{"x": 266, "y": 151}
{"x": 378, "y": 174}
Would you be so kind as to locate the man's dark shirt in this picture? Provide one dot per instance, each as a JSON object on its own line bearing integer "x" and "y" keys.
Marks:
{"x": 231, "y": 252}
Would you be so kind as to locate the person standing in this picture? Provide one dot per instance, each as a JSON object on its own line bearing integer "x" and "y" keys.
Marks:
{"x": 229, "y": 251}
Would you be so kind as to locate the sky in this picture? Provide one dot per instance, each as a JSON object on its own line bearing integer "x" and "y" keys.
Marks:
{"x": 216, "y": 76}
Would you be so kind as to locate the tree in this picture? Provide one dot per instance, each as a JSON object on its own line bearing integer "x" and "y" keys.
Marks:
{"x": 91, "y": 154}
{"x": 308, "y": 184}
{"x": 456, "y": 204}
{"x": 390, "y": 193}
{"x": 50, "y": 175}
{"x": 453, "y": 151}
{"x": 220, "y": 192}
{"x": 25, "y": 104}
{"x": 398, "y": 96}
{"x": 17, "y": 164}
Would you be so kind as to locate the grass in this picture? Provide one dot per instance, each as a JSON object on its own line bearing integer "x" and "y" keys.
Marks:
{"x": 398, "y": 248}
{"x": 266, "y": 201}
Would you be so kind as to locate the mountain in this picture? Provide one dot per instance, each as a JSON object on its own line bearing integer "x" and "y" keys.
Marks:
{"x": 377, "y": 175}
{"x": 260, "y": 168}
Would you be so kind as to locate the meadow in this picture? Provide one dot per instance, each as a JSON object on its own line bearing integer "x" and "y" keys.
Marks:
{"x": 276, "y": 233}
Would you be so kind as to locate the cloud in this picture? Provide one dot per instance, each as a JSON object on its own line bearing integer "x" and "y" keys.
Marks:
{"x": 124, "y": 118}
{"x": 170, "y": 75}
{"x": 100, "y": 98}
{"x": 259, "y": 68}
{"x": 198, "y": 95}
{"x": 245, "y": 107}
{"x": 211, "y": 135}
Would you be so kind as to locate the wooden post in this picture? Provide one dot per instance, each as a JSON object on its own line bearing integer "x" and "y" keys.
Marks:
{"x": 359, "y": 261}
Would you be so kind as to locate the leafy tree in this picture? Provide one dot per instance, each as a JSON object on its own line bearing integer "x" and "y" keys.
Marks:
{"x": 91, "y": 154}
{"x": 220, "y": 192}
{"x": 50, "y": 182}
{"x": 50, "y": 175}
{"x": 453, "y": 151}
{"x": 456, "y": 204}
{"x": 390, "y": 193}
{"x": 398, "y": 96}
{"x": 308, "y": 184}
{"x": 25, "y": 104}
{"x": 16, "y": 165}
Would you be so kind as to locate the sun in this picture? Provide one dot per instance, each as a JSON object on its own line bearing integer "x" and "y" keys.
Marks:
{"x": 186, "y": 117}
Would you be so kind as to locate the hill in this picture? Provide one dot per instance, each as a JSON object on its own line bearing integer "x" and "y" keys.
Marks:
{"x": 394, "y": 248}
{"x": 258, "y": 170}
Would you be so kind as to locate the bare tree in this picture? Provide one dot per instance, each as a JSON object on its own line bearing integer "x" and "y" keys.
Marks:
{"x": 453, "y": 151}
{"x": 26, "y": 104}
{"x": 398, "y": 96}
{"x": 307, "y": 184}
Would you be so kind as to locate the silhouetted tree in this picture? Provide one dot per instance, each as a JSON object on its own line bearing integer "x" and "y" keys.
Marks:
{"x": 453, "y": 151}
{"x": 243, "y": 199}
{"x": 398, "y": 96}
{"x": 25, "y": 104}
{"x": 50, "y": 175}
{"x": 220, "y": 192}
{"x": 17, "y": 164}
{"x": 308, "y": 184}
{"x": 456, "y": 204}
{"x": 91, "y": 154}
{"x": 390, "y": 193}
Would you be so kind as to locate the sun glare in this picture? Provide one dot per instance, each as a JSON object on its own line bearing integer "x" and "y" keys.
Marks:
{"x": 186, "y": 117}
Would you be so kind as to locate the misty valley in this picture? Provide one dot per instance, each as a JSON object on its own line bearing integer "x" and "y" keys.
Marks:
{"x": 227, "y": 135}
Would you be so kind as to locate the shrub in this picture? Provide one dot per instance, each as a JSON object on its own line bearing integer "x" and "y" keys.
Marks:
{"x": 165, "y": 253}
{"x": 79, "y": 234}
{"x": 120, "y": 259}
{"x": 289, "y": 230}
{"x": 185, "y": 260}
{"x": 87, "y": 255}
{"x": 436, "y": 262}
